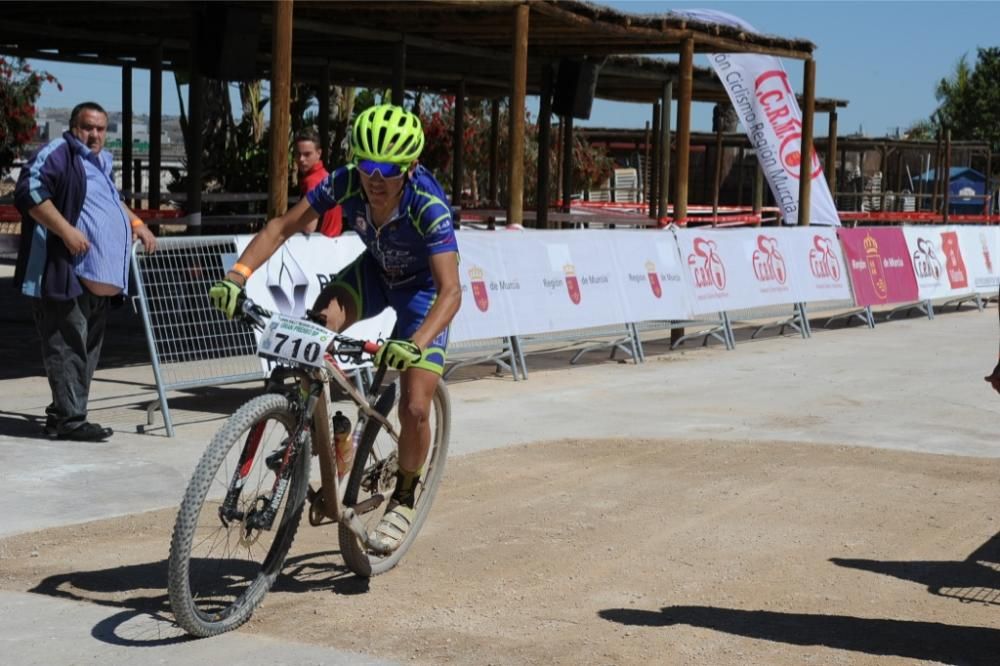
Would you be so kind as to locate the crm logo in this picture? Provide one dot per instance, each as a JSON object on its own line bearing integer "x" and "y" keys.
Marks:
{"x": 925, "y": 262}
{"x": 777, "y": 101}
{"x": 823, "y": 261}
{"x": 706, "y": 265}
{"x": 768, "y": 264}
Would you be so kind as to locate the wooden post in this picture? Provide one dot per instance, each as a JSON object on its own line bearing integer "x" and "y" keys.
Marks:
{"x": 843, "y": 174}
{"x": 324, "y": 116}
{"x": 717, "y": 179}
{"x": 544, "y": 141}
{"x": 560, "y": 133}
{"x": 937, "y": 172}
{"x": 196, "y": 121}
{"x": 281, "y": 76}
{"x": 758, "y": 188}
{"x": 740, "y": 176}
{"x": 127, "y": 131}
{"x": 458, "y": 151}
{"x": 831, "y": 154}
{"x": 683, "y": 130}
{"x": 666, "y": 100}
{"x": 494, "y": 152}
{"x": 399, "y": 73}
{"x": 155, "y": 124}
{"x": 647, "y": 171}
{"x": 946, "y": 176}
{"x": 882, "y": 171}
{"x": 655, "y": 171}
{"x": 567, "y": 162}
{"x": 137, "y": 186}
{"x": 805, "y": 168}
{"x": 988, "y": 190}
{"x": 519, "y": 78}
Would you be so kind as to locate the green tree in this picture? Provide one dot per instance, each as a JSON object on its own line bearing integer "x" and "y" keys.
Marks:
{"x": 970, "y": 99}
{"x": 20, "y": 86}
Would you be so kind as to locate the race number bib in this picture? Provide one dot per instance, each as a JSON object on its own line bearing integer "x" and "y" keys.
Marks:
{"x": 294, "y": 340}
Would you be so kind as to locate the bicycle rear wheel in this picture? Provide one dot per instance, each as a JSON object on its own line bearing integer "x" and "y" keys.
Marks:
{"x": 226, "y": 550}
{"x": 374, "y": 471}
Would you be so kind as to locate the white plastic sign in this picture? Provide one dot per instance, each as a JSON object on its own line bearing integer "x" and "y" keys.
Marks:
{"x": 294, "y": 340}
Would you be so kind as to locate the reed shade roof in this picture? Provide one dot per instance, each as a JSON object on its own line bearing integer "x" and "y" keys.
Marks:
{"x": 445, "y": 41}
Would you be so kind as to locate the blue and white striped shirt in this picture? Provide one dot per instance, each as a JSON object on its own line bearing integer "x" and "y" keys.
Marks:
{"x": 105, "y": 224}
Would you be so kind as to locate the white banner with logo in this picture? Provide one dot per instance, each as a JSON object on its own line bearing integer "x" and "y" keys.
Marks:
{"x": 765, "y": 102}
{"x": 981, "y": 253}
{"x": 293, "y": 277}
{"x": 731, "y": 269}
{"x": 650, "y": 276}
{"x": 565, "y": 280}
{"x": 815, "y": 264}
{"x": 938, "y": 264}
{"x": 486, "y": 289}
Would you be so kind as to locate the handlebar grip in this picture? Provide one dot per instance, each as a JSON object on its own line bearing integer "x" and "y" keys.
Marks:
{"x": 371, "y": 347}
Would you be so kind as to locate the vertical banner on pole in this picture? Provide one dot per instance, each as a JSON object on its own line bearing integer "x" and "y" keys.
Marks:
{"x": 880, "y": 266}
{"x": 759, "y": 90}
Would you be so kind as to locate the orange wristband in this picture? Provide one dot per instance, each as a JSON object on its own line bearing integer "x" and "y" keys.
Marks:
{"x": 137, "y": 223}
{"x": 242, "y": 270}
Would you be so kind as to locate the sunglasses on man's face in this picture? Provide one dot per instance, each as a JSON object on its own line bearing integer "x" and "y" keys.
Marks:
{"x": 383, "y": 169}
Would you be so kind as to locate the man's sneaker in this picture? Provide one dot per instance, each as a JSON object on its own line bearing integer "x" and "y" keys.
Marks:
{"x": 392, "y": 529}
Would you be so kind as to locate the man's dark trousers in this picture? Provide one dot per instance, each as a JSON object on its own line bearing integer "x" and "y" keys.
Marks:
{"x": 72, "y": 333}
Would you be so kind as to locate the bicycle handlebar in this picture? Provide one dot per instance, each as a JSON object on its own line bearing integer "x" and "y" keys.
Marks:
{"x": 348, "y": 349}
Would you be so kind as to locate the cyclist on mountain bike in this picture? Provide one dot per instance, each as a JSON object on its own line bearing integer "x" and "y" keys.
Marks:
{"x": 410, "y": 264}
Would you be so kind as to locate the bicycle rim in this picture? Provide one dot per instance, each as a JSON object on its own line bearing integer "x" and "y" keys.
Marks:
{"x": 221, "y": 566}
{"x": 374, "y": 472}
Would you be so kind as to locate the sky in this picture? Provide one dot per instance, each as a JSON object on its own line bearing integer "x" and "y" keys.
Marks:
{"x": 884, "y": 58}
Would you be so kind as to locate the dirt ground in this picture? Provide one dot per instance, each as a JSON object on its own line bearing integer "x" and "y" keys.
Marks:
{"x": 620, "y": 552}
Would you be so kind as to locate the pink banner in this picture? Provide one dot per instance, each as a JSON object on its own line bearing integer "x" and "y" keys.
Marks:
{"x": 879, "y": 264}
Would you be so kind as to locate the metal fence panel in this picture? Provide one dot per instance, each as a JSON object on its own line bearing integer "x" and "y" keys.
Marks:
{"x": 190, "y": 343}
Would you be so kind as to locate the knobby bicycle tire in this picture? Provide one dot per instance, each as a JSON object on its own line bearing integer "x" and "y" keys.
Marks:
{"x": 204, "y": 615}
{"x": 374, "y": 450}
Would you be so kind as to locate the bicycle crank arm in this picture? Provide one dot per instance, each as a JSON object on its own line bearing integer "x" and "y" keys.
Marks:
{"x": 350, "y": 518}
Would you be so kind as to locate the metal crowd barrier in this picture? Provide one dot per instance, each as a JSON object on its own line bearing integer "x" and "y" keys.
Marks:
{"x": 620, "y": 337}
{"x": 501, "y": 351}
{"x": 190, "y": 343}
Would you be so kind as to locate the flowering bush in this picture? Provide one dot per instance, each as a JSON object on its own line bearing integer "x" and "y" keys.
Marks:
{"x": 20, "y": 87}
{"x": 591, "y": 165}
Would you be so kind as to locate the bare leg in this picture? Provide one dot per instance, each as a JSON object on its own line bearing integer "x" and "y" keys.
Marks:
{"x": 418, "y": 387}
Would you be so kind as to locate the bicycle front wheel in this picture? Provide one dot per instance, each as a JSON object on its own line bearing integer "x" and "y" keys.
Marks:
{"x": 374, "y": 472}
{"x": 230, "y": 540}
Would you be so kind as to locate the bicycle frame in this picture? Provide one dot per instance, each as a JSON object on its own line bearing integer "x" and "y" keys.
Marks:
{"x": 311, "y": 385}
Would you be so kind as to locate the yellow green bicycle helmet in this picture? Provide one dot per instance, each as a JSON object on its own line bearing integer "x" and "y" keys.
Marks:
{"x": 387, "y": 133}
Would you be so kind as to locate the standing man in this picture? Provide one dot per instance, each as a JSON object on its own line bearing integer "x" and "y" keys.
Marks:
{"x": 76, "y": 236}
{"x": 309, "y": 160}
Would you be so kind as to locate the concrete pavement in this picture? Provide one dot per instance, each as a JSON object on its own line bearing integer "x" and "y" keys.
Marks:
{"x": 909, "y": 384}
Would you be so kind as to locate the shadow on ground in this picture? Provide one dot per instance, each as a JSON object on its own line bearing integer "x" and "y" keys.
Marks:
{"x": 974, "y": 580}
{"x": 930, "y": 641}
{"x": 140, "y": 590}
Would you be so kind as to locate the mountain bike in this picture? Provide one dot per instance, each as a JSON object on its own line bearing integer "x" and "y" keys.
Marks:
{"x": 243, "y": 505}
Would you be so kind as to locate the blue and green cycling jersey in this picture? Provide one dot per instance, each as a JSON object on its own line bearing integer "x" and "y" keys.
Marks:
{"x": 402, "y": 247}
